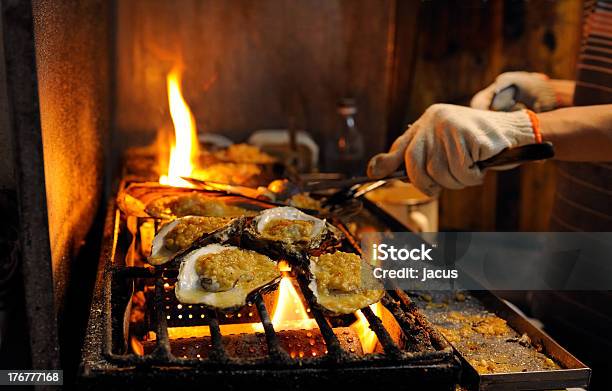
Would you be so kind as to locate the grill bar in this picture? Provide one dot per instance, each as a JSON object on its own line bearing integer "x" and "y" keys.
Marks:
{"x": 403, "y": 297}
{"x": 275, "y": 350}
{"x": 161, "y": 327}
{"x": 334, "y": 349}
{"x": 384, "y": 338}
{"x": 416, "y": 336}
{"x": 218, "y": 352}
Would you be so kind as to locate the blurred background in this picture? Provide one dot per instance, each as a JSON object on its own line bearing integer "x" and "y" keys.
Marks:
{"x": 256, "y": 65}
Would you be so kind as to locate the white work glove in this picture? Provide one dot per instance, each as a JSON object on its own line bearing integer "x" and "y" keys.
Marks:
{"x": 442, "y": 147}
{"x": 535, "y": 92}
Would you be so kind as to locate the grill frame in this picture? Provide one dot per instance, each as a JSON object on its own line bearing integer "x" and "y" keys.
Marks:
{"x": 100, "y": 366}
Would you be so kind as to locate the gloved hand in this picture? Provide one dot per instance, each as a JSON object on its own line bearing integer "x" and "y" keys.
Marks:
{"x": 535, "y": 92}
{"x": 442, "y": 147}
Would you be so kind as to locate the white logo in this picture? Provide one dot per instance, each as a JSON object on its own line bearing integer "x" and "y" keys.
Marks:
{"x": 385, "y": 252}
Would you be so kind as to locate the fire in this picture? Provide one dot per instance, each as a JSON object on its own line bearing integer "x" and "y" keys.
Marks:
{"x": 289, "y": 312}
{"x": 184, "y": 151}
{"x": 367, "y": 337}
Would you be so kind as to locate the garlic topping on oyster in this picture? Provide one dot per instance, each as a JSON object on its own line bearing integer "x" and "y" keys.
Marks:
{"x": 288, "y": 224}
{"x": 223, "y": 277}
{"x": 194, "y": 204}
{"x": 179, "y": 234}
{"x": 343, "y": 283}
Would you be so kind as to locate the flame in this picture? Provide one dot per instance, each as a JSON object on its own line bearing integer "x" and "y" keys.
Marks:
{"x": 184, "y": 151}
{"x": 289, "y": 312}
{"x": 367, "y": 337}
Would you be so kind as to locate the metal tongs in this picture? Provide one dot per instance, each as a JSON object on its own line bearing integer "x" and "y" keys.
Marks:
{"x": 509, "y": 156}
{"x": 281, "y": 189}
{"x": 506, "y": 99}
{"x": 352, "y": 188}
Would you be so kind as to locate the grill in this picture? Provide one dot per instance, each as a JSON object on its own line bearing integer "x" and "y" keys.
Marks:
{"x": 409, "y": 349}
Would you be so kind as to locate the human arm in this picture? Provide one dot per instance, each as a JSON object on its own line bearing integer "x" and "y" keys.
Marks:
{"x": 582, "y": 133}
{"x": 442, "y": 147}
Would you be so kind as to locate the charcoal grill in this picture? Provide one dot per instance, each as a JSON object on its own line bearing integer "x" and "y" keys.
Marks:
{"x": 424, "y": 360}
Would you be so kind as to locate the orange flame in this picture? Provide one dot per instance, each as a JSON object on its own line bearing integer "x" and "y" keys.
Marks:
{"x": 289, "y": 312}
{"x": 184, "y": 151}
{"x": 367, "y": 337}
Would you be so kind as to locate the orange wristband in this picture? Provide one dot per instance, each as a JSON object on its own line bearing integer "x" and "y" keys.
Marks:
{"x": 535, "y": 124}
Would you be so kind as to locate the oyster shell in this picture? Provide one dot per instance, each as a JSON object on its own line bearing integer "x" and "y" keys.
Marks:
{"x": 223, "y": 277}
{"x": 289, "y": 225}
{"x": 288, "y": 232}
{"x": 196, "y": 204}
{"x": 150, "y": 199}
{"x": 179, "y": 234}
{"x": 343, "y": 283}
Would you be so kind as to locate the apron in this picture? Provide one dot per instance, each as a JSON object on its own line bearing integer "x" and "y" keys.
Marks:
{"x": 583, "y": 201}
{"x": 582, "y": 321}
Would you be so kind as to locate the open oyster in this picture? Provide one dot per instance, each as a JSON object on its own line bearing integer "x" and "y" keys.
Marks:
{"x": 342, "y": 282}
{"x": 179, "y": 234}
{"x": 150, "y": 199}
{"x": 196, "y": 204}
{"x": 287, "y": 231}
{"x": 223, "y": 277}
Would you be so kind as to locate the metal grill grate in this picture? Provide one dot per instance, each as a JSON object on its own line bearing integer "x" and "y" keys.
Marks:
{"x": 165, "y": 311}
{"x": 269, "y": 355}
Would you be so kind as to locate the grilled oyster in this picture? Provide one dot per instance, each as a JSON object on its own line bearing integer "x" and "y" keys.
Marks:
{"x": 179, "y": 234}
{"x": 150, "y": 199}
{"x": 195, "y": 204}
{"x": 342, "y": 282}
{"x": 223, "y": 277}
{"x": 288, "y": 232}
{"x": 289, "y": 225}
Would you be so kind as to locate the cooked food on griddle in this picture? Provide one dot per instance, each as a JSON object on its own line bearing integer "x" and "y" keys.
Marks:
{"x": 484, "y": 339}
{"x": 305, "y": 201}
{"x": 229, "y": 173}
{"x": 224, "y": 277}
{"x": 194, "y": 204}
{"x": 244, "y": 153}
{"x": 342, "y": 282}
{"x": 179, "y": 234}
